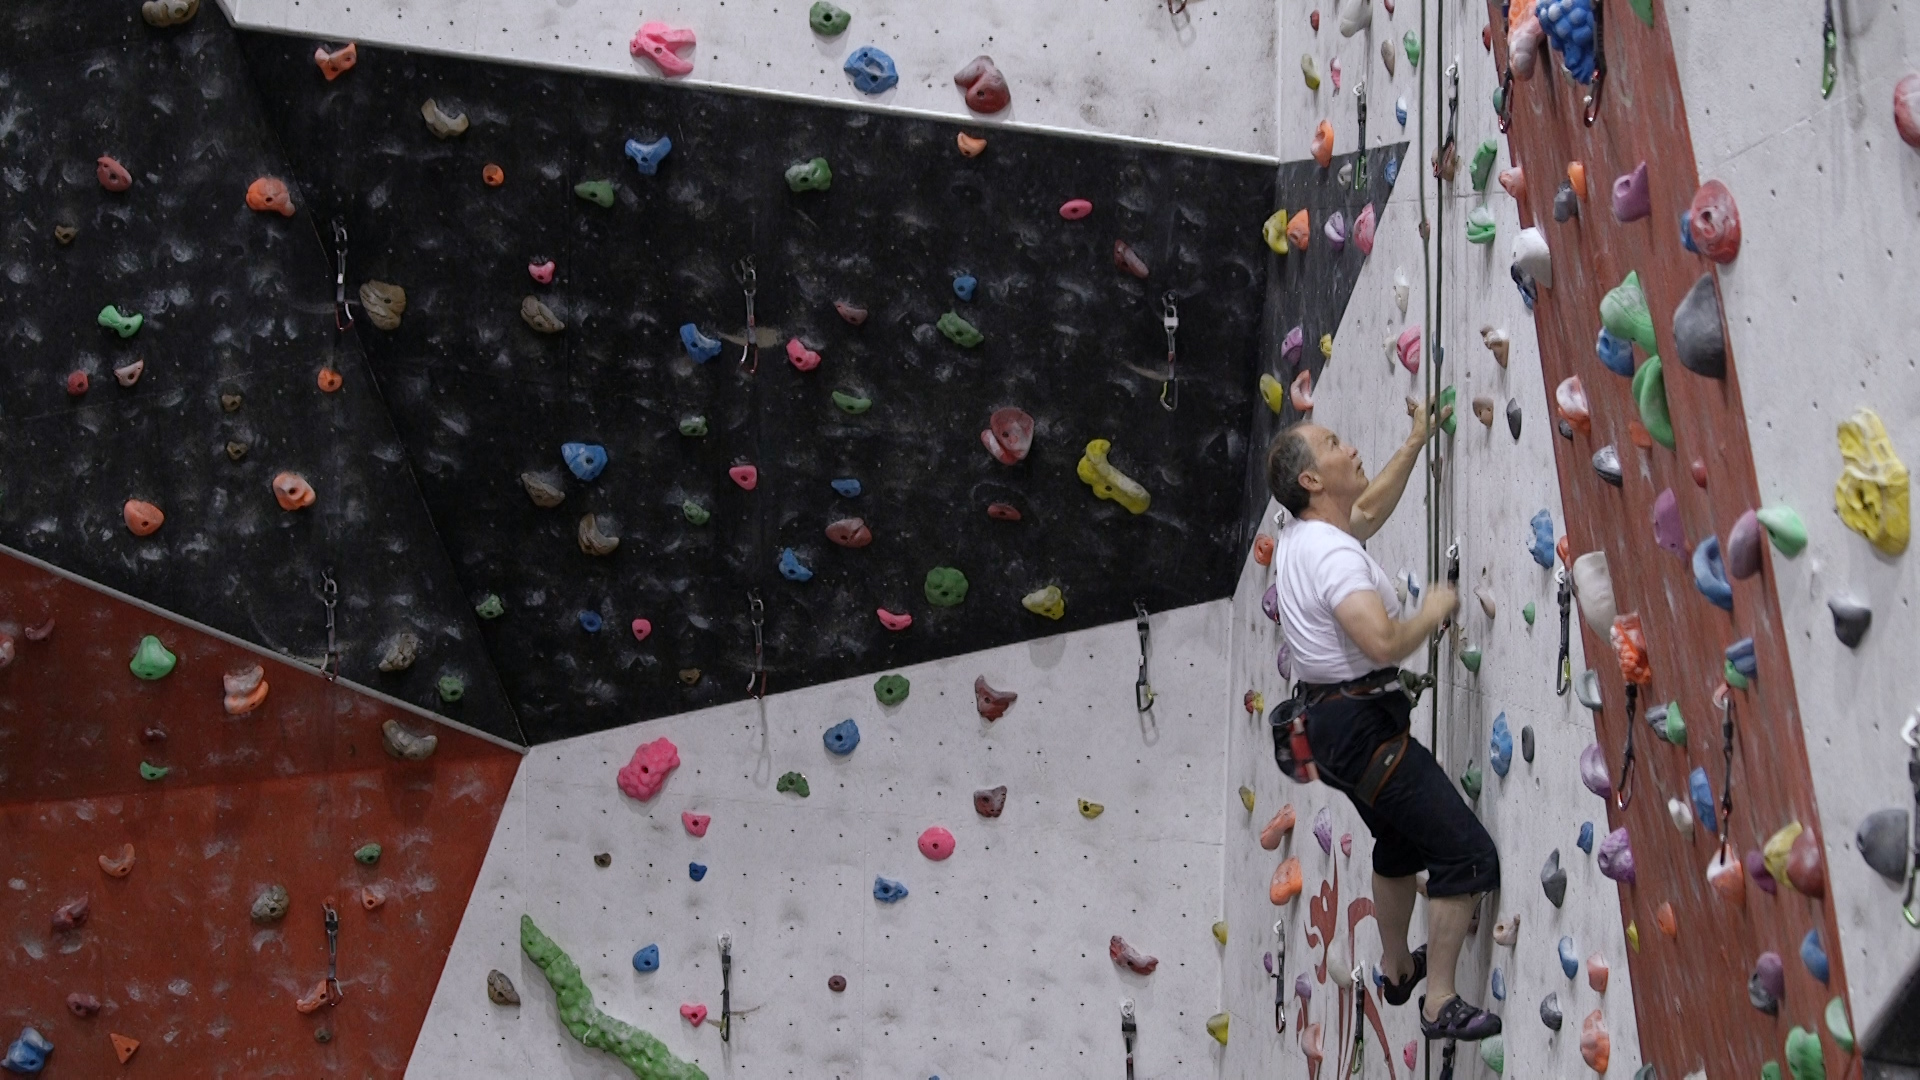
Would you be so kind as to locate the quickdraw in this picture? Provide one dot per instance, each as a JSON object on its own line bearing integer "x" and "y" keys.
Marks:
{"x": 1453, "y": 580}
{"x": 1911, "y": 735}
{"x": 1724, "y": 698}
{"x": 757, "y": 615}
{"x": 1143, "y": 694}
{"x": 1360, "y": 159}
{"x": 1128, "y": 1031}
{"x": 1503, "y": 99}
{"x": 726, "y": 987}
{"x": 1170, "y": 318}
{"x": 1447, "y": 160}
{"x": 1446, "y": 1061}
{"x": 1279, "y": 973}
{"x": 1564, "y": 680}
{"x": 1624, "y": 793}
{"x": 1592, "y": 109}
{"x": 342, "y": 318}
{"x": 329, "y": 598}
{"x": 743, "y": 272}
{"x": 334, "y": 993}
{"x": 1359, "y": 1020}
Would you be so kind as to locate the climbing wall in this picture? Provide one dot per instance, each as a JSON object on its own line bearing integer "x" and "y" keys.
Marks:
{"x": 175, "y": 841}
{"x": 994, "y": 963}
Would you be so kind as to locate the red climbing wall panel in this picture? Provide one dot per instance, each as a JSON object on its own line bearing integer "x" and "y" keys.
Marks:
{"x": 1690, "y": 991}
{"x": 283, "y": 795}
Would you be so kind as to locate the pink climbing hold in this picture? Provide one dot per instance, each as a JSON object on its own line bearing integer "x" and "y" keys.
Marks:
{"x": 854, "y": 314}
{"x": 642, "y": 777}
{"x": 696, "y": 824}
{"x": 112, "y": 175}
{"x": 71, "y": 915}
{"x": 1075, "y": 209}
{"x": 985, "y": 88}
{"x": 1301, "y": 392}
{"x": 1409, "y": 349}
{"x": 1410, "y": 1053}
{"x": 541, "y": 271}
{"x": 1363, "y": 229}
{"x": 1131, "y": 958}
{"x": 1008, "y": 436}
{"x": 1632, "y": 199}
{"x": 746, "y": 476}
{"x": 936, "y": 843}
{"x": 642, "y": 629}
{"x": 1906, "y": 108}
{"x": 662, "y": 44}
{"x": 694, "y": 1014}
{"x": 893, "y": 622}
{"x": 990, "y": 703}
{"x": 801, "y": 357}
{"x": 1346, "y": 844}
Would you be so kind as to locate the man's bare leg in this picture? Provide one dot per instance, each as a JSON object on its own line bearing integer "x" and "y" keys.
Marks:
{"x": 1393, "y": 912}
{"x": 1447, "y": 920}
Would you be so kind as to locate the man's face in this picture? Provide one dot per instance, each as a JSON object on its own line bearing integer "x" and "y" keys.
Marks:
{"x": 1342, "y": 474}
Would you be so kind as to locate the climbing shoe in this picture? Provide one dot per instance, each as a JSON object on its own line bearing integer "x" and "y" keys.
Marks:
{"x": 1397, "y": 993}
{"x": 1458, "y": 1020}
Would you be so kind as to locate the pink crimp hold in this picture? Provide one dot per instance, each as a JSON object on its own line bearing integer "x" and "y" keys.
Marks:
{"x": 642, "y": 777}
{"x": 658, "y": 42}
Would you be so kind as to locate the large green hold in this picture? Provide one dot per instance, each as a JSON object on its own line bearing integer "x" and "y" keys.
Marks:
{"x": 1784, "y": 527}
{"x": 1650, "y": 393}
{"x": 959, "y": 331}
{"x": 1494, "y": 1052}
{"x": 1837, "y": 1024}
{"x": 1623, "y": 311}
{"x": 1482, "y": 167}
{"x": 636, "y": 1049}
{"x": 946, "y": 586}
{"x": 1803, "y": 1055}
{"x": 1481, "y": 226}
{"x": 1450, "y": 420}
{"x": 810, "y": 176}
{"x": 794, "y": 782}
{"x": 828, "y": 20}
{"x": 891, "y": 689}
{"x": 152, "y": 660}
{"x": 597, "y": 192}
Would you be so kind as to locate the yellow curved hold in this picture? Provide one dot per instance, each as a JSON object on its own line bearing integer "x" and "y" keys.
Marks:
{"x": 1090, "y": 810}
{"x": 1110, "y": 483}
{"x": 1326, "y": 346}
{"x": 1220, "y": 931}
{"x": 1274, "y": 394}
{"x": 1274, "y": 232}
{"x": 1047, "y": 601}
{"x": 1871, "y": 493}
{"x": 1633, "y": 935}
{"x": 1246, "y": 797}
{"x": 1777, "y": 847}
{"x": 1217, "y": 1027}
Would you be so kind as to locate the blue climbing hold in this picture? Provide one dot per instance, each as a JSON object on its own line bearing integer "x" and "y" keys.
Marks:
{"x": 1569, "y": 28}
{"x": 1569, "y": 962}
{"x": 1400, "y": 111}
{"x": 1542, "y": 546}
{"x": 696, "y": 871}
{"x": 647, "y": 959}
{"x": 888, "y": 892}
{"x": 1740, "y": 655}
{"x": 1814, "y": 956}
{"x": 1585, "y": 843}
{"x": 964, "y": 285}
{"x": 591, "y": 622}
{"x": 28, "y": 1053}
{"x": 647, "y": 156}
{"x": 792, "y": 568}
{"x": 1413, "y": 588}
{"x": 842, "y": 737}
{"x": 1701, "y": 791}
{"x": 1686, "y": 231}
{"x": 1710, "y": 574}
{"x": 1392, "y": 170}
{"x": 1499, "y": 985}
{"x": 584, "y": 460}
{"x": 872, "y": 70}
{"x": 1615, "y": 353}
{"x": 699, "y": 346}
{"x": 1524, "y": 282}
{"x": 847, "y": 488}
{"x": 1501, "y": 757}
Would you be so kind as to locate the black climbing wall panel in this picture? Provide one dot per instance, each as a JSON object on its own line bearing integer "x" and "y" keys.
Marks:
{"x": 235, "y": 302}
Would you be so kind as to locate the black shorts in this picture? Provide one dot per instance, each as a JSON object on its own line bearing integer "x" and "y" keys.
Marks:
{"x": 1420, "y": 821}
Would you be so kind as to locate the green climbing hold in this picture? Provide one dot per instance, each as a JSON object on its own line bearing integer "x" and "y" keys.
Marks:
{"x": 151, "y": 660}
{"x": 1481, "y": 226}
{"x": 851, "y": 404}
{"x": 959, "y": 331}
{"x": 693, "y": 427}
{"x": 1674, "y": 727}
{"x": 367, "y": 854}
{"x": 1837, "y": 1024}
{"x": 1733, "y": 676}
{"x": 946, "y": 586}
{"x": 1770, "y": 1071}
{"x": 490, "y": 607}
{"x": 1450, "y": 420}
{"x": 810, "y": 176}
{"x": 451, "y": 688}
{"x": 1471, "y": 782}
{"x": 1499, "y": 100}
{"x": 1784, "y": 528}
{"x": 695, "y": 513}
{"x": 153, "y": 772}
{"x": 1482, "y": 169}
{"x": 1412, "y": 42}
{"x": 892, "y": 689}
{"x": 1623, "y": 311}
{"x": 1803, "y": 1055}
{"x": 1650, "y": 393}
{"x": 124, "y": 325}
{"x": 1217, "y": 1027}
{"x": 1494, "y": 1052}
{"x": 1529, "y": 613}
{"x": 828, "y": 20}
{"x": 1470, "y": 658}
{"x": 794, "y": 782}
{"x": 636, "y": 1049}
{"x": 597, "y": 192}
{"x": 1643, "y": 10}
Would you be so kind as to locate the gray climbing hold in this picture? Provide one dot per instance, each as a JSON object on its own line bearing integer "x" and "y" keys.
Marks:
{"x": 1550, "y": 1011}
{"x": 271, "y": 905}
{"x": 1606, "y": 462}
{"x": 1566, "y": 204}
{"x": 1513, "y": 416}
{"x": 1851, "y": 619}
{"x": 500, "y": 989}
{"x": 1553, "y": 879}
{"x": 1697, "y": 334}
{"x": 1587, "y": 689}
{"x": 1882, "y": 840}
{"x": 1526, "y": 743}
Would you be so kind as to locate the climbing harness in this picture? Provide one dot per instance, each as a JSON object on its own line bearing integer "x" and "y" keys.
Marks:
{"x": 1360, "y": 159}
{"x": 1170, "y": 318}
{"x": 749, "y": 283}
{"x": 1563, "y": 681}
{"x": 1592, "y": 109}
{"x": 1127, "y": 1029}
{"x": 1624, "y": 793}
{"x": 329, "y": 597}
{"x": 726, "y": 987}
{"x": 1359, "y": 1020}
{"x": 334, "y": 993}
{"x": 1279, "y": 974}
{"x": 757, "y": 615}
{"x": 1910, "y": 734}
{"x": 1828, "y": 45}
{"x": 1143, "y": 694}
{"x": 1447, "y": 160}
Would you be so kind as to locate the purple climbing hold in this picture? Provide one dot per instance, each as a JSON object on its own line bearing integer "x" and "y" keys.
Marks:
{"x": 1743, "y": 547}
{"x": 1302, "y": 989}
{"x": 1336, "y": 231}
{"x": 1616, "y": 856}
{"x": 1632, "y": 199}
{"x": 1667, "y": 530}
{"x": 1291, "y": 345}
{"x": 1283, "y": 660}
{"x": 1757, "y": 870}
{"x": 1323, "y": 830}
{"x": 1593, "y": 771}
{"x": 1270, "y": 603}
{"x": 1768, "y": 984}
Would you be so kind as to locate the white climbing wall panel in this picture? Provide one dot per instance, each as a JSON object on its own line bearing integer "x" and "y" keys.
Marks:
{"x": 995, "y": 964}
{"x": 1819, "y": 307}
{"x": 1106, "y": 67}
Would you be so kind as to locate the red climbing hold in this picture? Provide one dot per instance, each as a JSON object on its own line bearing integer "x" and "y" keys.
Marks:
{"x": 891, "y": 621}
{"x": 1699, "y": 471}
{"x": 661, "y": 44}
{"x": 1313, "y": 19}
{"x": 1131, "y": 958}
{"x": 1263, "y": 549}
{"x": 1408, "y": 348}
{"x": 990, "y": 703}
{"x": 936, "y": 843}
{"x": 112, "y": 175}
{"x": 1806, "y": 868}
{"x": 1008, "y": 436}
{"x": 801, "y": 357}
{"x": 1714, "y": 222}
{"x": 1003, "y": 511}
{"x": 850, "y": 533}
{"x": 1075, "y": 209}
{"x": 77, "y": 384}
{"x": 1128, "y": 260}
{"x": 744, "y": 475}
{"x": 696, "y": 824}
{"x": 1906, "y": 108}
{"x": 270, "y": 196}
{"x": 985, "y": 88}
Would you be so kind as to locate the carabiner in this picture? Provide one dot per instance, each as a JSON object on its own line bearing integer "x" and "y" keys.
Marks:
{"x": 1170, "y": 319}
{"x": 749, "y": 280}
{"x": 1592, "y": 111}
{"x": 1360, "y": 160}
{"x": 1143, "y": 694}
{"x": 757, "y": 615}
{"x": 342, "y": 317}
{"x": 1127, "y": 1027}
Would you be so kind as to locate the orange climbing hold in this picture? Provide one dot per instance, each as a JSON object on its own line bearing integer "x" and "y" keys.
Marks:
{"x": 371, "y": 898}
{"x": 292, "y": 490}
{"x": 123, "y": 1047}
{"x": 1577, "y": 177}
{"x": 1263, "y": 549}
{"x": 1598, "y": 973}
{"x": 1286, "y": 882}
{"x": 245, "y": 690}
{"x": 1596, "y": 1048}
{"x": 338, "y": 62}
{"x": 1728, "y": 877}
{"x": 321, "y": 994}
{"x": 329, "y": 380}
{"x": 270, "y": 196}
{"x": 1323, "y": 144}
{"x": 493, "y": 175}
{"x": 143, "y": 518}
{"x": 1638, "y": 435}
{"x": 1299, "y": 230}
{"x": 118, "y": 866}
{"x": 1278, "y": 828}
{"x": 1630, "y": 642}
{"x": 1663, "y": 917}
{"x": 970, "y": 145}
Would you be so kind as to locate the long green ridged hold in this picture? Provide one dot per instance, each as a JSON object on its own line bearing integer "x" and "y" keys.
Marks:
{"x": 1623, "y": 311}
{"x": 1482, "y": 167}
{"x": 1650, "y": 393}
{"x": 959, "y": 331}
{"x": 637, "y": 1050}
{"x": 851, "y": 404}
{"x": 1803, "y": 1055}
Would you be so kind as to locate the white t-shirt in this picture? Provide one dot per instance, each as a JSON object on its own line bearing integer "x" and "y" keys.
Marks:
{"x": 1316, "y": 566}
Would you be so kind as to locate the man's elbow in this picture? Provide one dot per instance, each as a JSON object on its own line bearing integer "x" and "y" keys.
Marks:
{"x": 1381, "y": 651}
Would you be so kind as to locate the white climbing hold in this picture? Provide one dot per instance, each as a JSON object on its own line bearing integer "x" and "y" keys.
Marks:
{"x": 1531, "y": 257}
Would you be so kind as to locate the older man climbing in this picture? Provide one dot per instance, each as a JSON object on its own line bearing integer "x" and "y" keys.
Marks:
{"x": 1343, "y": 624}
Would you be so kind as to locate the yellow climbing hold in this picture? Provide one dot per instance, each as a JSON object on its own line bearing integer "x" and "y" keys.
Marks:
{"x": 1108, "y": 482}
{"x": 1217, "y": 1027}
{"x": 1326, "y": 346}
{"x": 1275, "y": 232}
{"x": 1871, "y": 493}
{"x": 1246, "y": 797}
{"x": 1220, "y": 931}
{"x": 1633, "y": 935}
{"x": 1090, "y": 810}
{"x": 1274, "y": 394}
{"x": 1777, "y": 847}
{"x": 1047, "y": 601}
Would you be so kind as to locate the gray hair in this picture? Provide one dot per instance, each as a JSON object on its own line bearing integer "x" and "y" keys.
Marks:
{"x": 1288, "y": 456}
